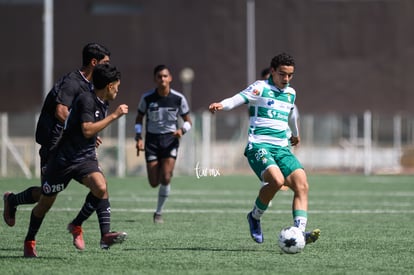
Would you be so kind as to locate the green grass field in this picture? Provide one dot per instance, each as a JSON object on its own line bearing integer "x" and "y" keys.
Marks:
{"x": 366, "y": 222}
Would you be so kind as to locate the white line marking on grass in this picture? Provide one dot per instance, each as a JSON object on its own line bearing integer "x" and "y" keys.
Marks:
{"x": 240, "y": 211}
{"x": 277, "y": 201}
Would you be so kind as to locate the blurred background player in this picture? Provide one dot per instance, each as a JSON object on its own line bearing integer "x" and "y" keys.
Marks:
{"x": 161, "y": 107}
{"x": 54, "y": 112}
{"x": 74, "y": 157}
{"x": 270, "y": 104}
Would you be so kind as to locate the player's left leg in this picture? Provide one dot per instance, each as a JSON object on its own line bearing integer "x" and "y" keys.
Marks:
{"x": 165, "y": 174}
{"x": 92, "y": 201}
{"x": 96, "y": 182}
{"x": 36, "y": 219}
{"x": 297, "y": 181}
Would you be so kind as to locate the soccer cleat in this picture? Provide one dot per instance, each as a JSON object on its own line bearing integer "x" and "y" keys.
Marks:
{"x": 312, "y": 236}
{"x": 9, "y": 212}
{"x": 158, "y": 218}
{"x": 255, "y": 228}
{"x": 111, "y": 238}
{"x": 30, "y": 249}
{"x": 76, "y": 231}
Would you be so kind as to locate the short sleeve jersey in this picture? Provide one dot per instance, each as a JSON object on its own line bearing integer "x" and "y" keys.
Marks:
{"x": 74, "y": 146}
{"x": 269, "y": 109}
{"x": 65, "y": 90}
{"x": 162, "y": 112}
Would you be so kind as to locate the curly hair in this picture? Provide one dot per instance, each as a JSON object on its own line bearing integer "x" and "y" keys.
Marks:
{"x": 282, "y": 59}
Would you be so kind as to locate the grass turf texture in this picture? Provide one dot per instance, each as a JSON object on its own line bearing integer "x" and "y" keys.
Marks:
{"x": 367, "y": 228}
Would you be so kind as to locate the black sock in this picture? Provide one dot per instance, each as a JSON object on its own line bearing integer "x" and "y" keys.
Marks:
{"x": 104, "y": 216}
{"x": 24, "y": 197}
{"x": 90, "y": 205}
{"x": 34, "y": 226}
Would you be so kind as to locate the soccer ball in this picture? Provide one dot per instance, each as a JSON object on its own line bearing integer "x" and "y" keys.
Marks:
{"x": 291, "y": 240}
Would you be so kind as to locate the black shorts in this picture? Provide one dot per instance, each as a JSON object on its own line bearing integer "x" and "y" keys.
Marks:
{"x": 160, "y": 146}
{"x": 59, "y": 174}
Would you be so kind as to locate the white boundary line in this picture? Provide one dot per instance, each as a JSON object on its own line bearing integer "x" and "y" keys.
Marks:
{"x": 238, "y": 211}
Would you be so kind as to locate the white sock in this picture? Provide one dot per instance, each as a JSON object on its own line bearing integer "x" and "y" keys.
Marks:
{"x": 300, "y": 222}
{"x": 257, "y": 213}
{"x": 163, "y": 193}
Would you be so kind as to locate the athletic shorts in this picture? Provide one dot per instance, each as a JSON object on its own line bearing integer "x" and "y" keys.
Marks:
{"x": 59, "y": 174}
{"x": 261, "y": 156}
{"x": 160, "y": 146}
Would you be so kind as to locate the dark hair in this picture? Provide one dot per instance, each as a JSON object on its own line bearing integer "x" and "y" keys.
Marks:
{"x": 282, "y": 59}
{"x": 103, "y": 74}
{"x": 159, "y": 68}
{"x": 93, "y": 50}
{"x": 265, "y": 72}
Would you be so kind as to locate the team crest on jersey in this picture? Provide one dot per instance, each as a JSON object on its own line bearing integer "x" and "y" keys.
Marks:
{"x": 46, "y": 188}
{"x": 271, "y": 94}
{"x": 289, "y": 97}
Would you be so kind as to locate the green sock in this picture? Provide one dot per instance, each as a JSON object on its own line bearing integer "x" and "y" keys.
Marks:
{"x": 258, "y": 209}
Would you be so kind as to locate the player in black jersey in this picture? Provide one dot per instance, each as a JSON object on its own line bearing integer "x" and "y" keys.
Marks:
{"x": 162, "y": 107}
{"x": 54, "y": 111}
{"x": 74, "y": 157}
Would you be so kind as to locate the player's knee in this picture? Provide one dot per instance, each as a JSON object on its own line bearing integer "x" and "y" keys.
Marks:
{"x": 301, "y": 187}
{"x": 275, "y": 184}
{"x": 166, "y": 180}
{"x": 100, "y": 192}
{"x": 154, "y": 184}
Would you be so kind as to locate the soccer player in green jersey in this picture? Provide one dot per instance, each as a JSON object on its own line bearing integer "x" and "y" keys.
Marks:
{"x": 271, "y": 110}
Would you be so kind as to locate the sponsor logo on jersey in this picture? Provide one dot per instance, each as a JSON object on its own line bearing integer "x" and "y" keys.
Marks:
{"x": 153, "y": 106}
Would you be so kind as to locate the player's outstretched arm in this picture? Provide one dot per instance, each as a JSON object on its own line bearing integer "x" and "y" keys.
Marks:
{"x": 214, "y": 107}
{"x": 227, "y": 104}
{"x": 90, "y": 129}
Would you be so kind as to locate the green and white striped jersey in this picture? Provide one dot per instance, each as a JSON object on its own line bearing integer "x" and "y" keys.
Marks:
{"x": 269, "y": 109}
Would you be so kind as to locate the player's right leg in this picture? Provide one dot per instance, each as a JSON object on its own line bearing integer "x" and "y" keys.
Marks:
{"x": 153, "y": 171}
{"x": 270, "y": 174}
{"x": 312, "y": 236}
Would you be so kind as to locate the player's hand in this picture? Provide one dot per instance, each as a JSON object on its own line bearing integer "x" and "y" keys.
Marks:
{"x": 98, "y": 141}
{"x": 178, "y": 133}
{"x": 139, "y": 146}
{"x": 121, "y": 110}
{"x": 294, "y": 140}
{"x": 214, "y": 107}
